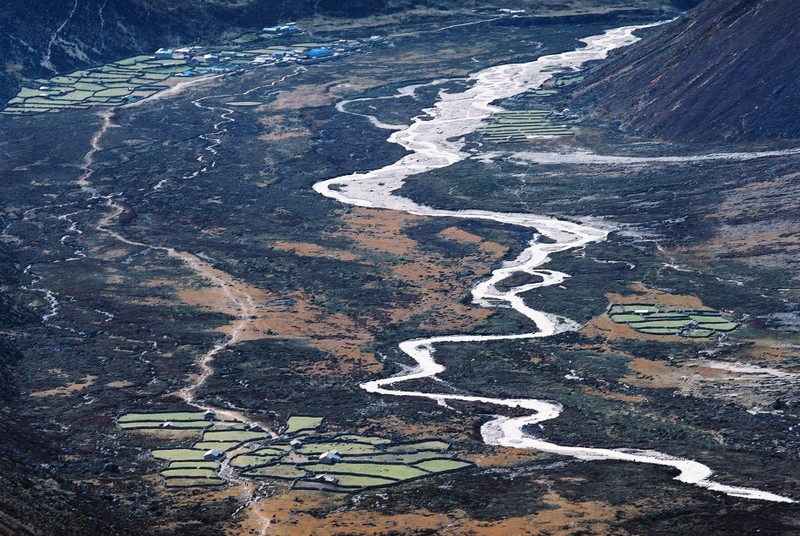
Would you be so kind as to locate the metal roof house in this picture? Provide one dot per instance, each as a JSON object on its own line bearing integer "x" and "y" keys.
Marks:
{"x": 317, "y": 53}
{"x": 213, "y": 454}
{"x": 287, "y": 29}
{"x": 164, "y": 54}
{"x": 330, "y": 457}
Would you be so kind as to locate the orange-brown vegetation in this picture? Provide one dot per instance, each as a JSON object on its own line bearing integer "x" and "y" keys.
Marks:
{"x": 287, "y": 512}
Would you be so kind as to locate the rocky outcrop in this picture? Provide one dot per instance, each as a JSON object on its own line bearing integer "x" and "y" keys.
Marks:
{"x": 724, "y": 72}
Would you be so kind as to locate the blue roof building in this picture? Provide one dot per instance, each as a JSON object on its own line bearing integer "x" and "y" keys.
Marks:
{"x": 316, "y": 53}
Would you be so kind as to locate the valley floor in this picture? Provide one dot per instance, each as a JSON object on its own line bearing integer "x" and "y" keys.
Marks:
{"x": 175, "y": 256}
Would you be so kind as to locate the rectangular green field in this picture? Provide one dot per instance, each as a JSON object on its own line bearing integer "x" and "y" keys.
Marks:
{"x": 364, "y": 439}
{"x": 407, "y": 458}
{"x": 393, "y": 472}
{"x": 218, "y": 445}
{"x": 192, "y": 482}
{"x": 179, "y": 454}
{"x": 254, "y": 460}
{"x": 277, "y": 471}
{"x": 297, "y": 423}
{"x": 189, "y": 473}
{"x": 233, "y": 435}
{"x": 113, "y": 92}
{"x": 660, "y": 324}
{"x": 175, "y": 425}
{"x": 353, "y": 481}
{"x": 193, "y": 465}
{"x": 633, "y": 307}
{"x": 343, "y": 448}
{"x": 718, "y": 326}
{"x": 420, "y": 445}
{"x": 163, "y": 416}
{"x": 442, "y": 465}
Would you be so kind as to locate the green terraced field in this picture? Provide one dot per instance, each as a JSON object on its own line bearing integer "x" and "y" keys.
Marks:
{"x": 633, "y": 307}
{"x": 410, "y": 458}
{"x": 177, "y": 425}
{"x": 233, "y": 435}
{"x": 276, "y": 471}
{"x": 719, "y": 326}
{"x": 364, "y": 439}
{"x": 192, "y": 482}
{"x": 199, "y": 472}
{"x": 244, "y": 461}
{"x": 192, "y": 465}
{"x": 420, "y": 445}
{"x": 390, "y": 471}
{"x": 246, "y": 38}
{"x": 183, "y": 455}
{"x": 218, "y": 445}
{"x": 299, "y": 423}
{"x": 649, "y": 319}
{"x": 162, "y": 416}
{"x": 519, "y": 125}
{"x": 647, "y": 324}
{"x": 342, "y": 447}
{"x": 366, "y": 461}
{"x": 443, "y": 465}
{"x": 354, "y": 481}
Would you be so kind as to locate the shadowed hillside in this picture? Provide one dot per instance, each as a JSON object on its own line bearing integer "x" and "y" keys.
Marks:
{"x": 726, "y": 71}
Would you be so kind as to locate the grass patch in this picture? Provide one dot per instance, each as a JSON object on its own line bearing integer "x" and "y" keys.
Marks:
{"x": 420, "y": 445}
{"x": 233, "y": 435}
{"x": 343, "y": 448}
{"x": 192, "y": 482}
{"x": 193, "y": 465}
{"x": 162, "y": 416}
{"x": 174, "y": 425}
{"x": 442, "y": 465}
{"x": 372, "y": 440}
{"x": 174, "y": 455}
{"x": 649, "y": 319}
{"x": 199, "y": 472}
{"x": 390, "y": 471}
{"x": 247, "y": 38}
{"x": 298, "y": 423}
{"x": 410, "y": 457}
{"x": 218, "y": 445}
{"x": 254, "y": 460}
{"x": 277, "y": 471}
{"x": 356, "y": 481}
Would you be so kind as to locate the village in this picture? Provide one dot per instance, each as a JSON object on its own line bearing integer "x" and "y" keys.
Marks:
{"x": 205, "y": 60}
{"x": 133, "y": 79}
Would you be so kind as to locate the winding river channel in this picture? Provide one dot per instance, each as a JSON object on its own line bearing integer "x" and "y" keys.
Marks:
{"x": 435, "y": 140}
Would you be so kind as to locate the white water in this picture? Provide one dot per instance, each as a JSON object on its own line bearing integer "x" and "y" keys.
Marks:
{"x": 434, "y": 142}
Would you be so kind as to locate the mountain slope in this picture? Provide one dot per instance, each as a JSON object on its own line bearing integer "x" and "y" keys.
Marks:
{"x": 725, "y": 71}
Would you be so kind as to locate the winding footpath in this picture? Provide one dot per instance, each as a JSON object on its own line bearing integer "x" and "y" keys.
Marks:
{"x": 436, "y": 141}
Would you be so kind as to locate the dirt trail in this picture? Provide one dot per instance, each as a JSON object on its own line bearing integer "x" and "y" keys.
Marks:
{"x": 88, "y": 159}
